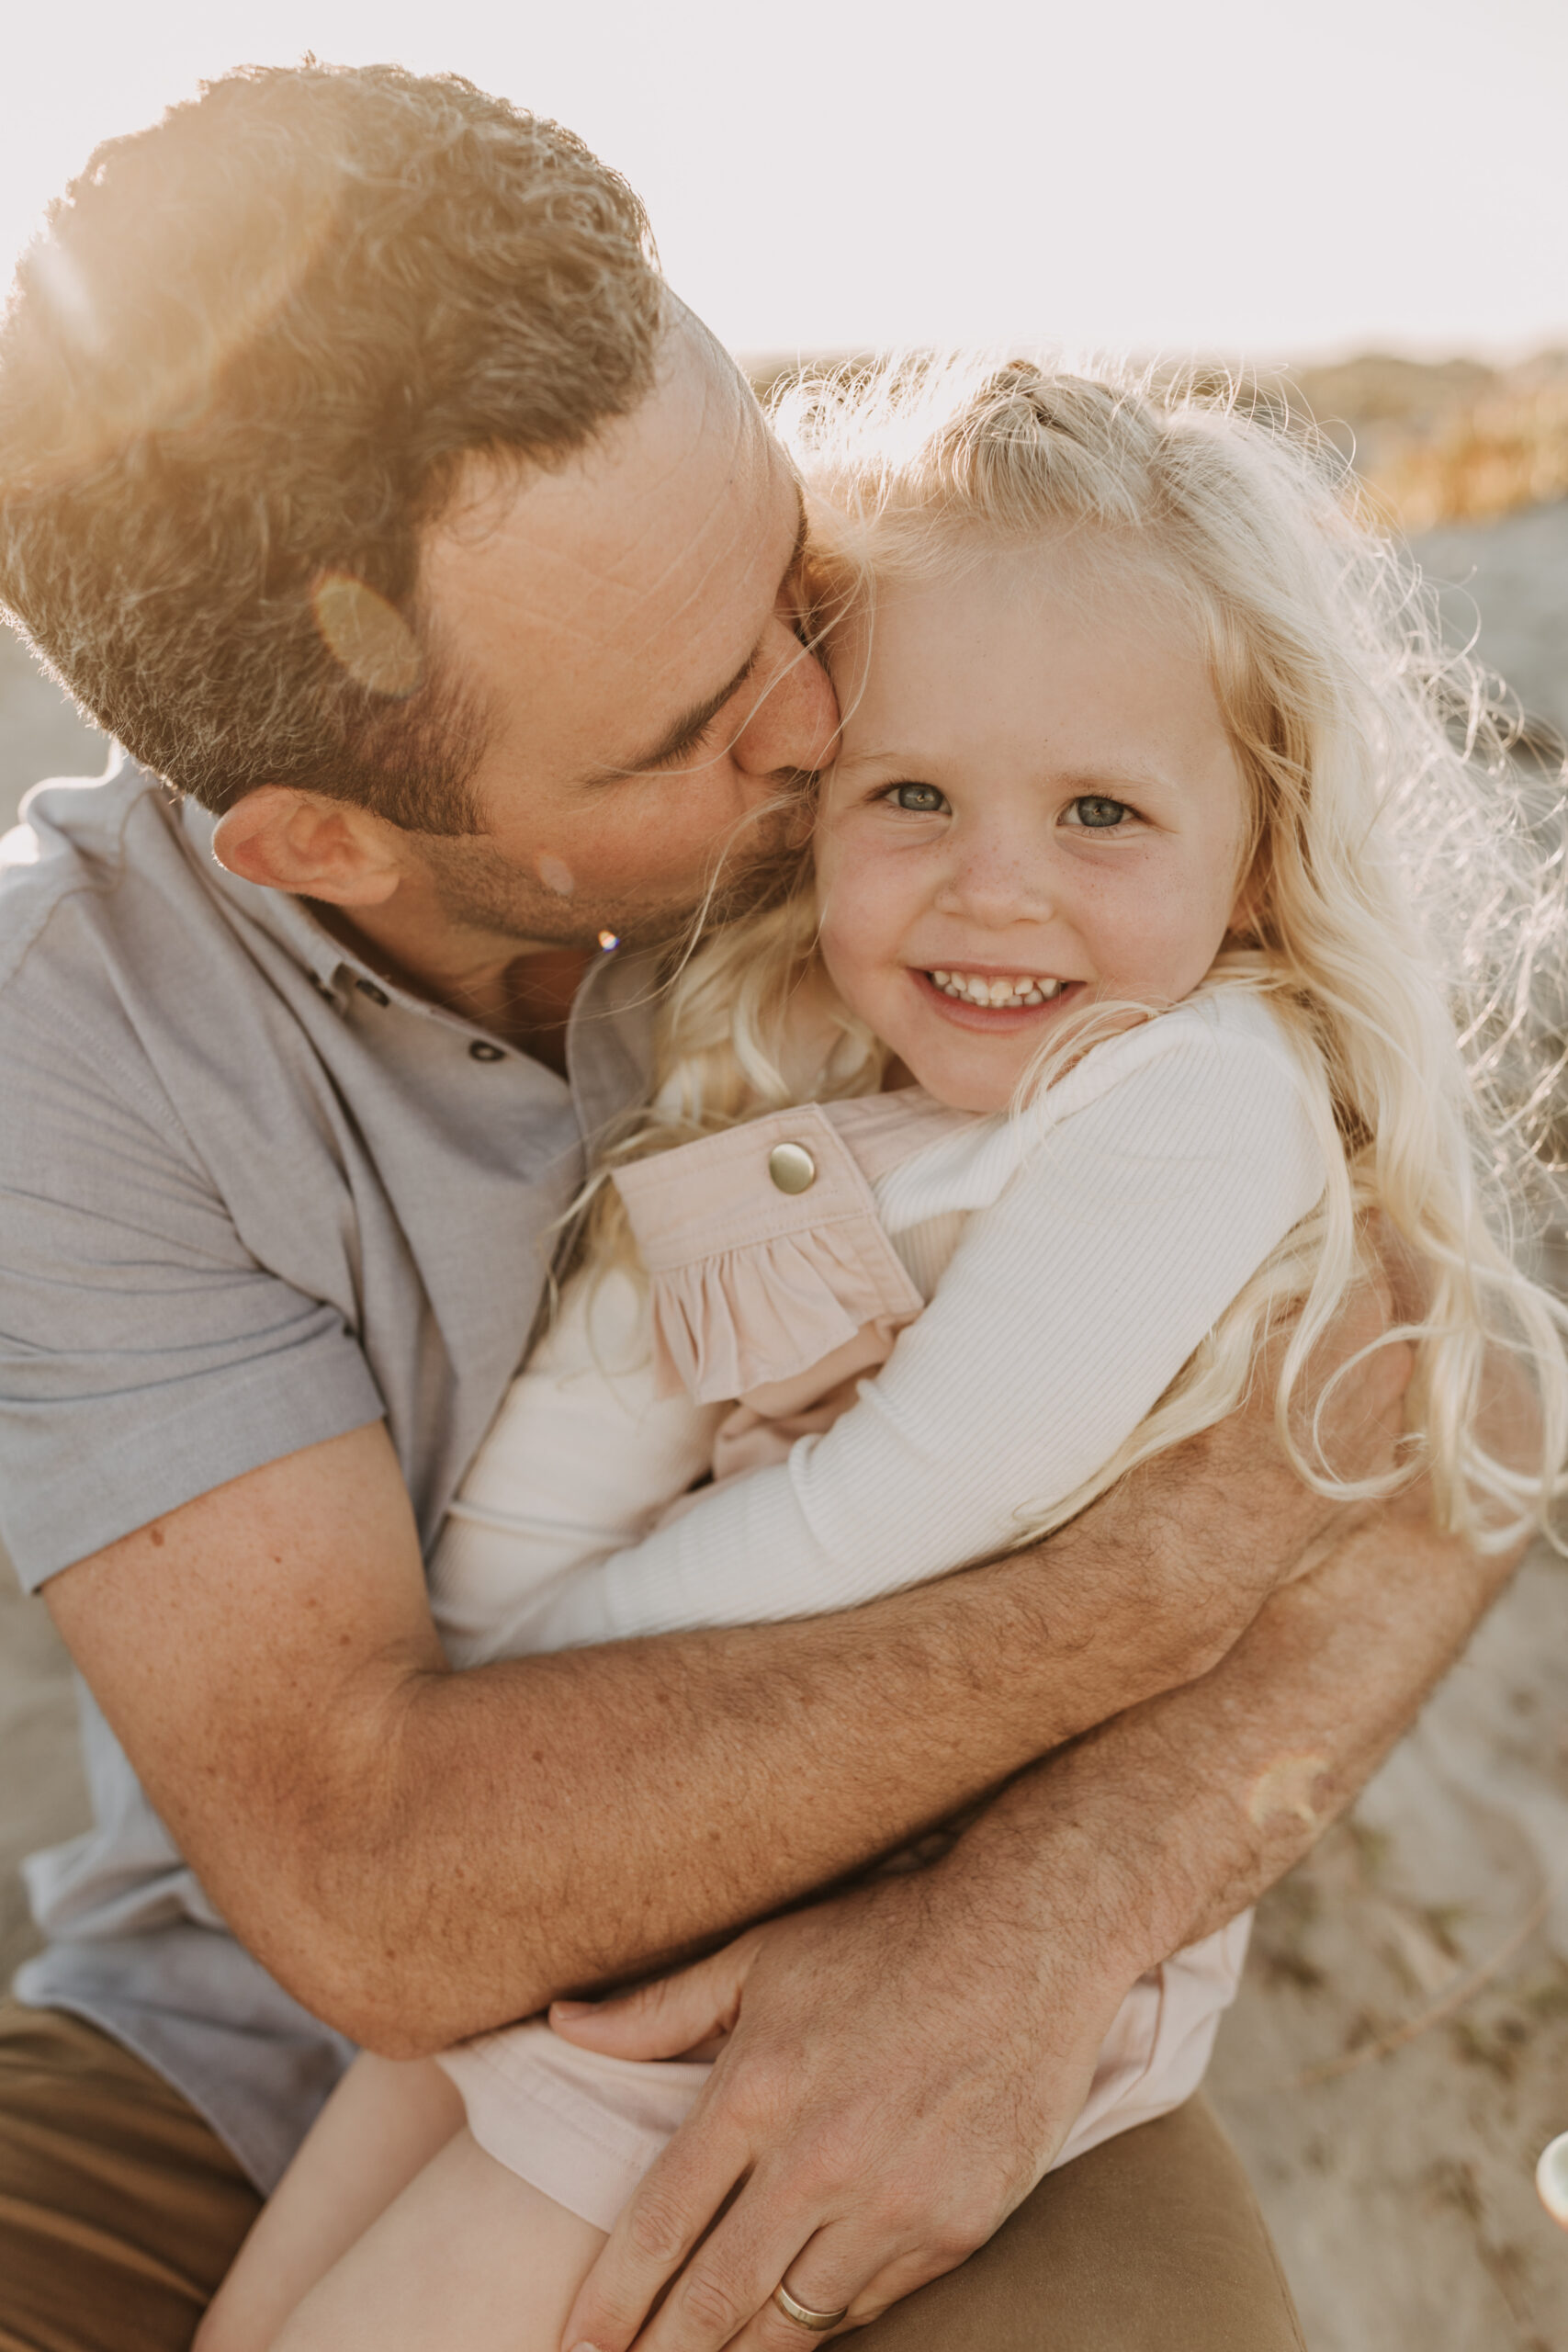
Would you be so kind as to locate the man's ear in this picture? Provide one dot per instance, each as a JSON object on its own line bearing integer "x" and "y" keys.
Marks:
{"x": 309, "y": 847}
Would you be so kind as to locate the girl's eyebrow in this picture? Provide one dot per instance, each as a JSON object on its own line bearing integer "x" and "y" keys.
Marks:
{"x": 1124, "y": 775}
{"x": 878, "y": 758}
{"x": 1113, "y": 779}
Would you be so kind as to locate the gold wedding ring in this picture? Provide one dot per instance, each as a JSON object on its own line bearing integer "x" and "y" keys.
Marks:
{"x": 818, "y": 2322}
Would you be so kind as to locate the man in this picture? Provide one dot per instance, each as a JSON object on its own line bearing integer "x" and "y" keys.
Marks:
{"x": 360, "y": 474}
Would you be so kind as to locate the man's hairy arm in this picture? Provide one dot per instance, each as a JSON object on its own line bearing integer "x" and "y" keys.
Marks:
{"x": 865, "y": 2174}
{"x": 420, "y": 1854}
{"x": 1253, "y": 1760}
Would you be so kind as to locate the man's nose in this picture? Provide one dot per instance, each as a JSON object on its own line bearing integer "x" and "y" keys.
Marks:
{"x": 796, "y": 715}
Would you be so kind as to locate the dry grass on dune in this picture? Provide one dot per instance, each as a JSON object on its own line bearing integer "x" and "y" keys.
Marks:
{"x": 1434, "y": 442}
{"x": 1450, "y": 444}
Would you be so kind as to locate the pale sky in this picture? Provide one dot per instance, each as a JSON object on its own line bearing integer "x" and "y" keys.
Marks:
{"x": 1232, "y": 176}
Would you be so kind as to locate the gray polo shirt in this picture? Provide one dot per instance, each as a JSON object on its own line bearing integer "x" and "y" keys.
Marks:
{"x": 254, "y": 1197}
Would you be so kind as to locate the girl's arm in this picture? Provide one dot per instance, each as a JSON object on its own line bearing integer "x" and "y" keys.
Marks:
{"x": 578, "y": 1462}
{"x": 1068, "y": 1309}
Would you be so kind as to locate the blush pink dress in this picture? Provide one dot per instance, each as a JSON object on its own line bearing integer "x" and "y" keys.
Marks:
{"x": 766, "y": 1313}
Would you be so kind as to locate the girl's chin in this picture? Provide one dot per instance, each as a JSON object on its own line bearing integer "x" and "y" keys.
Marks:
{"x": 972, "y": 1056}
{"x": 953, "y": 1072}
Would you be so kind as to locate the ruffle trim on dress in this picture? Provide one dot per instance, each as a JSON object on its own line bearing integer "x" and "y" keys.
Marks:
{"x": 752, "y": 1286}
{"x": 752, "y": 1318}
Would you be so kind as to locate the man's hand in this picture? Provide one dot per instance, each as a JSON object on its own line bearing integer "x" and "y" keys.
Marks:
{"x": 897, "y": 2076}
{"x": 903, "y": 2062}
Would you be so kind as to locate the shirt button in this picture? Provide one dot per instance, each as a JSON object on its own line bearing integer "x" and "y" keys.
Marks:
{"x": 370, "y": 989}
{"x": 481, "y": 1050}
{"x": 791, "y": 1168}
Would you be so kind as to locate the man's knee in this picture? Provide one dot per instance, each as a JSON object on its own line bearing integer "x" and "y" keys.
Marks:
{"x": 1152, "y": 2242}
{"x": 122, "y": 2209}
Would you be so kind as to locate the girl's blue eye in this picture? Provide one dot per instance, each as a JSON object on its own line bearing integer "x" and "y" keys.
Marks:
{"x": 1098, "y": 814}
{"x": 920, "y": 799}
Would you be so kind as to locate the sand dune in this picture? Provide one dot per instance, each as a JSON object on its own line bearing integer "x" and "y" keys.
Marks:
{"x": 1505, "y": 586}
{"x": 1399, "y": 2054}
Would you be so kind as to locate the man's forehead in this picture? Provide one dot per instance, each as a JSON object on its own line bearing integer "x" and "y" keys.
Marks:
{"x": 654, "y": 506}
{"x": 641, "y": 571}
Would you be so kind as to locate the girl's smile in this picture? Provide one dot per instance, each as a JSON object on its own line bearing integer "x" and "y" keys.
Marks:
{"x": 1036, "y": 810}
{"x": 997, "y": 1003}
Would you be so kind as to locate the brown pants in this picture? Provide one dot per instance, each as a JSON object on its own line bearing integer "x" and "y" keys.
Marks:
{"x": 120, "y": 2213}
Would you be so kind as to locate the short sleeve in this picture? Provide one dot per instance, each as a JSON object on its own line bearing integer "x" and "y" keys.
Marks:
{"x": 145, "y": 1356}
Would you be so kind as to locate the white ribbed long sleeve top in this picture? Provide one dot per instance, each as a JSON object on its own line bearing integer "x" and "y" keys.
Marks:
{"x": 1072, "y": 1259}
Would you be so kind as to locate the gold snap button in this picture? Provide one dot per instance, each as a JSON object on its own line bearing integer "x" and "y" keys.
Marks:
{"x": 791, "y": 1168}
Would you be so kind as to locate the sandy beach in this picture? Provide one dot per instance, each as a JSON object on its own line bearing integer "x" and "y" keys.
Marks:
{"x": 1400, "y": 2051}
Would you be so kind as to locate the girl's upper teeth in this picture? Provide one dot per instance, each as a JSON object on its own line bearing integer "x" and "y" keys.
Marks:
{"x": 975, "y": 987}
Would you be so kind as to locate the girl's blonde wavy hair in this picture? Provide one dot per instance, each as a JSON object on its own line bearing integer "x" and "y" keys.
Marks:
{"x": 1407, "y": 895}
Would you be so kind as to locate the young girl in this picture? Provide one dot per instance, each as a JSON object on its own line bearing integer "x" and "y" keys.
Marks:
{"x": 1157, "y": 937}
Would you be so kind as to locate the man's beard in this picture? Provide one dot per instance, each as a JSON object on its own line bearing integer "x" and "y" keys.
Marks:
{"x": 480, "y": 890}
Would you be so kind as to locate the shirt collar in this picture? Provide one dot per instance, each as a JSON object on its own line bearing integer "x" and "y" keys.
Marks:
{"x": 610, "y": 1035}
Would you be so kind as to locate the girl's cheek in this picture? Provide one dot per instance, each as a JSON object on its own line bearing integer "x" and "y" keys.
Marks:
{"x": 866, "y": 903}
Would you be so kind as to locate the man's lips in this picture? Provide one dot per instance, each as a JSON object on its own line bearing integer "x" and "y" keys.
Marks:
{"x": 995, "y": 1019}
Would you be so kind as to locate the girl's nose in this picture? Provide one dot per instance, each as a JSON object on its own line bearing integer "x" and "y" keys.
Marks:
{"x": 995, "y": 882}
{"x": 795, "y": 716}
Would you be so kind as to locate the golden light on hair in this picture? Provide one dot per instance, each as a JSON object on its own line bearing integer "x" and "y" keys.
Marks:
{"x": 367, "y": 636}
{"x": 169, "y": 357}
{"x": 65, "y": 292}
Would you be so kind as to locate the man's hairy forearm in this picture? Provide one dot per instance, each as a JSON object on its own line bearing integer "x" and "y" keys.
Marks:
{"x": 1163, "y": 1824}
{"x": 418, "y": 1854}
{"x": 553, "y": 1824}
{"x": 556, "y": 1822}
